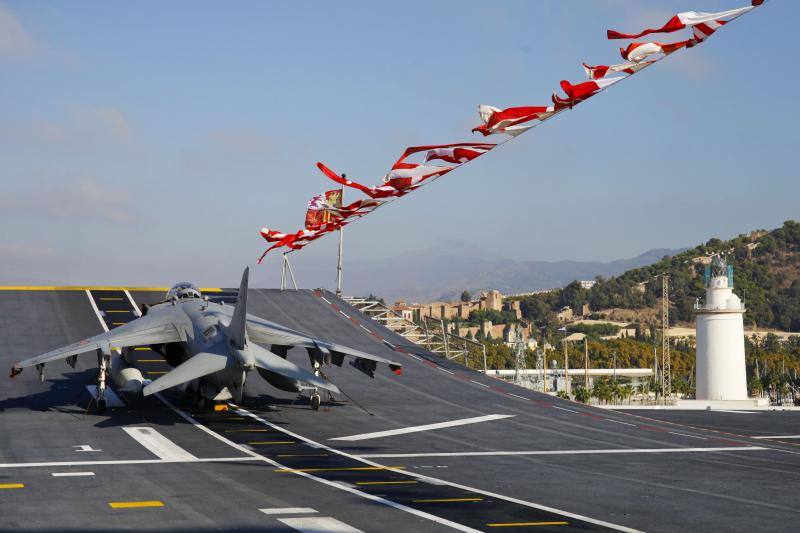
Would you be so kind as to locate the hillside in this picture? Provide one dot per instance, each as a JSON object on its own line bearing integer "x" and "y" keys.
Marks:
{"x": 443, "y": 272}
{"x": 766, "y": 275}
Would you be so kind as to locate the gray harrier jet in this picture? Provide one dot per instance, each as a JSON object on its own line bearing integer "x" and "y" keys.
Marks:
{"x": 212, "y": 347}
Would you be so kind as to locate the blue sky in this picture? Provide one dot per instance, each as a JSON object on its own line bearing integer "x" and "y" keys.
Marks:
{"x": 143, "y": 142}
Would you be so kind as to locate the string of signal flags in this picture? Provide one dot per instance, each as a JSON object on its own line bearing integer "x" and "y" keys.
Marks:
{"x": 419, "y": 166}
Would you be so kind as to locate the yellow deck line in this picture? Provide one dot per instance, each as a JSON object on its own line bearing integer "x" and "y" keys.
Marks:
{"x": 12, "y": 485}
{"x": 527, "y": 524}
{"x": 337, "y": 469}
{"x": 142, "y": 349}
{"x": 154, "y": 372}
{"x": 385, "y": 482}
{"x": 93, "y": 288}
{"x": 447, "y": 500}
{"x": 127, "y": 505}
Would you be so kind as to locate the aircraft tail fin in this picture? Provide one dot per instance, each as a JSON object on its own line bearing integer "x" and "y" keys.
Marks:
{"x": 236, "y": 329}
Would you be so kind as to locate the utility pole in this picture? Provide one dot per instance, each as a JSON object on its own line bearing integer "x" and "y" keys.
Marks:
{"x": 566, "y": 366}
{"x": 666, "y": 364}
{"x": 586, "y": 363}
{"x": 341, "y": 249}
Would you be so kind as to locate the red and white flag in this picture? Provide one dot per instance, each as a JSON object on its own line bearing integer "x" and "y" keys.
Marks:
{"x": 458, "y": 153}
{"x": 512, "y": 121}
{"x": 583, "y": 91}
{"x": 322, "y": 207}
{"x": 380, "y": 191}
{"x": 636, "y": 52}
{"x": 600, "y": 71}
{"x": 686, "y": 20}
{"x": 406, "y": 176}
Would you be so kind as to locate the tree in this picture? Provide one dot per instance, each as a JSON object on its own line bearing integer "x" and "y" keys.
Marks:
{"x": 581, "y": 394}
{"x": 466, "y": 296}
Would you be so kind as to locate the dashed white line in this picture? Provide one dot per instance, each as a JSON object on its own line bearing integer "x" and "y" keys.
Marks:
{"x": 518, "y": 396}
{"x": 71, "y": 474}
{"x": 686, "y": 435}
{"x": 364, "y": 328}
{"x": 344, "y": 314}
{"x": 479, "y": 383}
{"x": 321, "y": 524}
{"x": 620, "y": 422}
{"x": 445, "y": 370}
{"x": 777, "y": 437}
{"x": 289, "y": 510}
{"x": 326, "y": 300}
{"x": 565, "y": 409}
{"x": 414, "y": 356}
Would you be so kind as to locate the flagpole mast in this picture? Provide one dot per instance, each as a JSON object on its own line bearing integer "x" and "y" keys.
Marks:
{"x": 341, "y": 249}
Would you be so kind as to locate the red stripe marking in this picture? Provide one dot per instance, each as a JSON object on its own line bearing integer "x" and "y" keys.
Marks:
{"x": 318, "y": 293}
{"x": 652, "y": 428}
{"x": 335, "y": 307}
{"x": 434, "y": 365}
{"x": 354, "y": 321}
{"x": 592, "y": 415}
{"x": 542, "y": 403}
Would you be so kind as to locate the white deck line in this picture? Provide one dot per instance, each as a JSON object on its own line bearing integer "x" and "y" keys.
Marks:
{"x": 445, "y": 370}
{"x": 414, "y": 356}
{"x": 51, "y": 464}
{"x": 326, "y": 300}
{"x": 479, "y": 383}
{"x": 564, "y": 452}
{"x": 734, "y": 412}
{"x": 437, "y": 481}
{"x": 318, "y": 524}
{"x": 620, "y": 422}
{"x": 344, "y": 314}
{"x": 289, "y": 510}
{"x": 158, "y": 444}
{"x": 565, "y": 409}
{"x": 426, "y": 427}
{"x": 777, "y": 437}
{"x": 518, "y": 396}
{"x": 686, "y": 435}
{"x": 71, "y": 474}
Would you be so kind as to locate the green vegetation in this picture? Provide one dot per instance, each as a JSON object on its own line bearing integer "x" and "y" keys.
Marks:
{"x": 766, "y": 276}
{"x": 478, "y": 316}
{"x": 594, "y": 330}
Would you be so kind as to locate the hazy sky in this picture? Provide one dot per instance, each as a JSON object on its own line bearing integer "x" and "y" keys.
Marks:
{"x": 146, "y": 142}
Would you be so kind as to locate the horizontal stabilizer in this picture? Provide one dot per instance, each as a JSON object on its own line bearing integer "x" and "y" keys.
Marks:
{"x": 277, "y": 364}
{"x": 195, "y": 367}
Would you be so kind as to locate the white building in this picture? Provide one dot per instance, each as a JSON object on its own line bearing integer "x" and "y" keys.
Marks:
{"x": 720, "y": 338}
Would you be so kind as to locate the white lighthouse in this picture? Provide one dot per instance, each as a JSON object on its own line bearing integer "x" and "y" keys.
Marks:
{"x": 720, "y": 337}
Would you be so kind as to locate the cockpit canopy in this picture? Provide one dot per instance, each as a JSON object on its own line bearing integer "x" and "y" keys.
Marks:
{"x": 183, "y": 290}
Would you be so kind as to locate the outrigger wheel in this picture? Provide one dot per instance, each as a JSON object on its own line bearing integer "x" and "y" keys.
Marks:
{"x": 315, "y": 401}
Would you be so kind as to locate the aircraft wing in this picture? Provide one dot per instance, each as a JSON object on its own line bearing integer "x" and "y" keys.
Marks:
{"x": 155, "y": 328}
{"x": 266, "y": 332}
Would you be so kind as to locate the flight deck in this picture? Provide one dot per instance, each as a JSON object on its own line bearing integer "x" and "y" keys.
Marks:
{"x": 438, "y": 448}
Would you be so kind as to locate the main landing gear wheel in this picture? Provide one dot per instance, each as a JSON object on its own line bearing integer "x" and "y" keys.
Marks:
{"x": 315, "y": 401}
